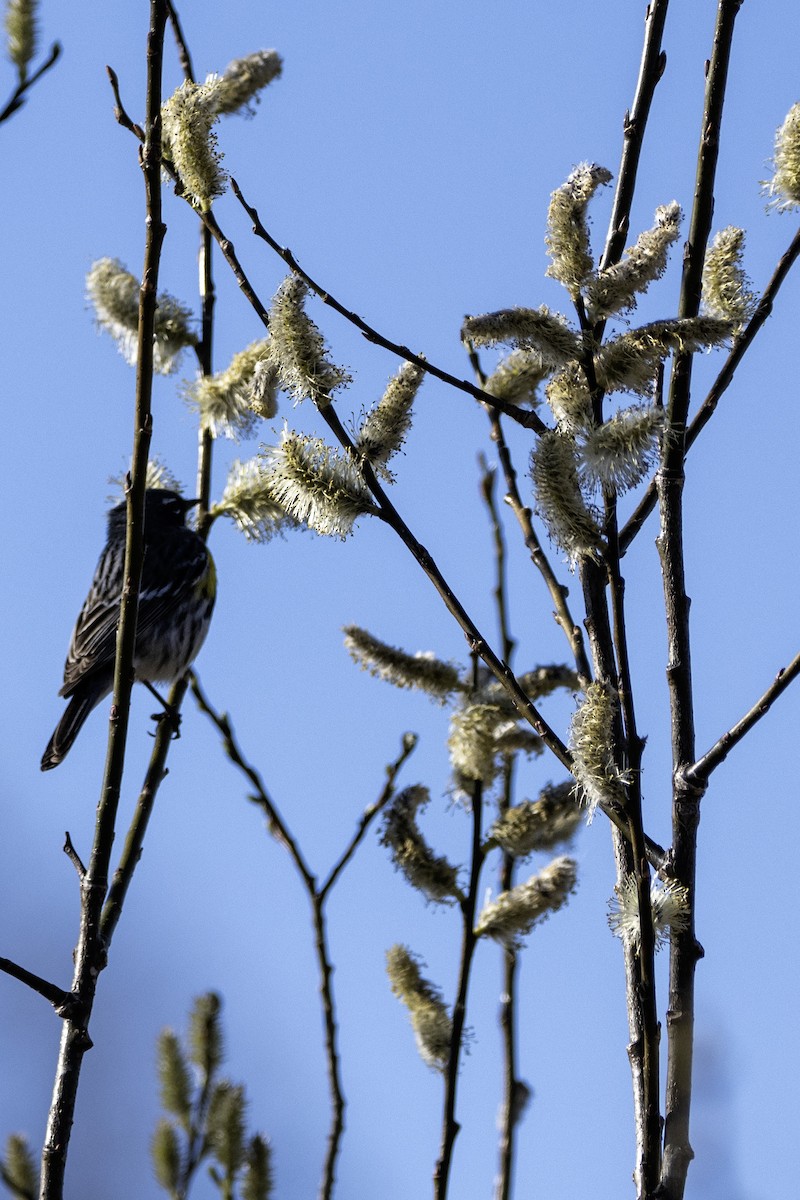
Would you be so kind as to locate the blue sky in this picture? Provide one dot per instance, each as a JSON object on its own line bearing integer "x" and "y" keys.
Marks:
{"x": 407, "y": 156}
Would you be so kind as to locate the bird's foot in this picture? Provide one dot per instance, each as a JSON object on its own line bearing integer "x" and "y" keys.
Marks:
{"x": 168, "y": 711}
{"x": 171, "y": 716}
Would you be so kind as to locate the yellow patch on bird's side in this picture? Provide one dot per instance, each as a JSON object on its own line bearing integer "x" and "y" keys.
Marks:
{"x": 207, "y": 587}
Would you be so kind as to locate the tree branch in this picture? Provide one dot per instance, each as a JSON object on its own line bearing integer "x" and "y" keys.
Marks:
{"x": 651, "y": 68}
{"x": 700, "y": 771}
{"x": 370, "y": 813}
{"x": 90, "y": 954}
{"x": 20, "y": 93}
{"x": 510, "y": 1112}
{"x": 450, "y": 1126}
{"x": 183, "y": 50}
{"x": 528, "y": 419}
{"x": 63, "y": 1002}
{"x": 558, "y": 593}
{"x": 275, "y": 822}
{"x": 317, "y": 898}
{"x": 684, "y": 949}
{"x": 132, "y": 851}
{"x": 475, "y": 640}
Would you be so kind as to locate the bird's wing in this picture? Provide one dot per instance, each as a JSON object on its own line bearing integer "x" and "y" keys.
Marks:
{"x": 94, "y": 636}
{"x": 94, "y": 640}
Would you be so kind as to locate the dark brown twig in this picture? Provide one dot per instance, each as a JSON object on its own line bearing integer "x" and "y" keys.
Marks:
{"x": 134, "y": 841}
{"x": 370, "y": 813}
{"x": 528, "y": 419}
{"x": 63, "y": 1002}
{"x": 475, "y": 640}
{"x": 20, "y": 93}
{"x": 512, "y": 1087}
{"x": 558, "y": 593}
{"x": 684, "y": 948}
{"x": 183, "y": 49}
{"x": 90, "y": 953}
{"x": 468, "y": 905}
{"x": 653, "y": 63}
{"x": 317, "y": 898}
{"x": 120, "y": 112}
{"x": 700, "y": 771}
{"x": 640, "y": 959}
{"x": 73, "y": 856}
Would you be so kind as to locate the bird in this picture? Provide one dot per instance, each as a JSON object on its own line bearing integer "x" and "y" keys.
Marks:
{"x": 176, "y": 600}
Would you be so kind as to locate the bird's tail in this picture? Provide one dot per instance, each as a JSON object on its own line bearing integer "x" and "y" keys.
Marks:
{"x": 70, "y": 725}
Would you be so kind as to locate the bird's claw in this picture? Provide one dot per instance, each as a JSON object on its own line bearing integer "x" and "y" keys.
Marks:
{"x": 167, "y": 714}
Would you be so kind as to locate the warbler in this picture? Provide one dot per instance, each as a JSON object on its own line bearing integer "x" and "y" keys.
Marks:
{"x": 176, "y": 599}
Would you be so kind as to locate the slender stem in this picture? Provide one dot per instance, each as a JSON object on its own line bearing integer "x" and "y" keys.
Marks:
{"x": 741, "y": 344}
{"x": 332, "y": 1057}
{"x": 370, "y": 813}
{"x": 90, "y": 954}
{"x": 644, "y": 1048}
{"x": 610, "y": 656}
{"x": 61, "y": 1001}
{"x": 651, "y": 69}
{"x": 684, "y": 948}
{"x": 183, "y": 50}
{"x": 20, "y": 93}
{"x": 134, "y": 841}
{"x": 276, "y": 824}
{"x": 522, "y": 512}
{"x": 207, "y": 301}
{"x": 477, "y": 643}
{"x": 631, "y": 852}
{"x": 510, "y": 1110}
{"x": 528, "y": 419}
{"x": 628, "y": 850}
{"x": 700, "y": 771}
{"x": 317, "y": 897}
{"x": 450, "y": 1126}
{"x": 156, "y": 770}
{"x": 197, "y": 1147}
{"x": 73, "y": 856}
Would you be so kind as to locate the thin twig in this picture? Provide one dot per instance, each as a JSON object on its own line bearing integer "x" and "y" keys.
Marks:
{"x": 640, "y": 959}
{"x": 207, "y": 301}
{"x": 684, "y": 948}
{"x": 156, "y": 770}
{"x": 134, "y": 841}
{"x": 73, "y": 856}
{"x": 317, "y": 897}
{"x": 90, "y": 953}
{"x": 700, "y": 771}
{"x": 370, "y": 813}
{"x": 653, "y": 63}
{"x": 19, "y": 95}
{"x": 120, "y": 113}
{"x": 512, "y": 1087}
{"x": 63, "y": 1002}
{"x": 558, "y": 593}
{"x": 183, "y": 49}
{"x": 475, "y": 639}
{"x": 275, "y": 822}
{"x": 528, "y": 419}
{"x": 468, "y": 906}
